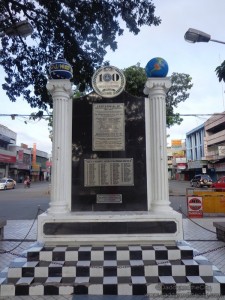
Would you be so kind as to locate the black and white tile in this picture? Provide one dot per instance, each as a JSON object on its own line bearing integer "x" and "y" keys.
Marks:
{"x": 111, "y": 270}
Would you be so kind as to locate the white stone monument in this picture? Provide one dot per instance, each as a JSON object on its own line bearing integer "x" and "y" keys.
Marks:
{"x": 159, "y": 223}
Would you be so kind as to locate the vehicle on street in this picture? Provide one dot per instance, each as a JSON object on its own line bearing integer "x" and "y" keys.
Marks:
{"x": 7, "y": 183}
{"x": 220, "y": 183}
{"x": 201, "y": 180}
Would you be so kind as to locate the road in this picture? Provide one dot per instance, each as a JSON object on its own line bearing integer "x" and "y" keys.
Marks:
{"x": 22, "y": 204}
{"x": 177, "y": 192}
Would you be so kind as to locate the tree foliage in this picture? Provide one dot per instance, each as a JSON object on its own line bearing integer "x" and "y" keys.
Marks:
{"x": 80, "y": 31}
{"x": 181, "y": 84}
{"x": 220, "y": 71}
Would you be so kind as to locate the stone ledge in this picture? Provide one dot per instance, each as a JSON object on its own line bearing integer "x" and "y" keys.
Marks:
{"x": 220, "y": 230}
{"x": 2, "y": 224}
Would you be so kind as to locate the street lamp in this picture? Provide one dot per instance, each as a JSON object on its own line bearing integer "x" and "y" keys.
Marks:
{"x": 22, "y": 28}
{"x": 195, "y": 35}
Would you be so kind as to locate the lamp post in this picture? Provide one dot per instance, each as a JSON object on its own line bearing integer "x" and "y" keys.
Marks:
{"x": 22, "y": 28}
{"x": 195, "y": 36}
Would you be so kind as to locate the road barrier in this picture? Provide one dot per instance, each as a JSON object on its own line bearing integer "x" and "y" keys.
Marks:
{"x": 213, "y": 200}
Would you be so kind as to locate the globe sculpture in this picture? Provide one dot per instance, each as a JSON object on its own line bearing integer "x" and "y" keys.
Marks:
{"x": 156, "y": 67}
{"x": 60, "y": 69}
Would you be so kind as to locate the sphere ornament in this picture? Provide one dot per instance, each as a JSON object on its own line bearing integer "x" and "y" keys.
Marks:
{"x": 157, "y": 67}
{"x": 60, "y": 69}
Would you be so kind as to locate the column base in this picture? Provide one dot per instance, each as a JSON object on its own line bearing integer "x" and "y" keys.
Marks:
{"x": 52, "y": 210}
{"x": 161, "y": 207}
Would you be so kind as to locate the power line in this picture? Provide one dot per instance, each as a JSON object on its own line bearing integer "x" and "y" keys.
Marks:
{"x": 50, "y": 115}
{"x": 22, "y": 115}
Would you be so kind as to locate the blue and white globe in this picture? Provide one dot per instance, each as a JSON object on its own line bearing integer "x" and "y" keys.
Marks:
{"x": 157, "y": 67}
{"x": 60, "y": 69}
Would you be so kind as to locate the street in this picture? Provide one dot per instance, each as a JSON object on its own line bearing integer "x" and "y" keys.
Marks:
{"x": 177, "y": 192}
{"x": 22, "y": 204}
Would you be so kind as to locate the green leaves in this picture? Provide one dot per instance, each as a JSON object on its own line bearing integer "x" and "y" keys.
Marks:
{"x": 220, "y": 72}
{"x": 78, "y": 30}
{"x": 181, "y": 84}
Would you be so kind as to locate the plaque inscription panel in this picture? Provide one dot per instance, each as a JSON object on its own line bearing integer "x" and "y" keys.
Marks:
{"x": 108, "y": 172}
{"x": 109, "y": 198}
{"x": 108, "y": 127}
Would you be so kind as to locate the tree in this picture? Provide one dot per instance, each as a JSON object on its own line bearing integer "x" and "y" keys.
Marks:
{"x": 181, "y": 83}
{"x": 220, "y": 71}
{"x": 80, "y": 31}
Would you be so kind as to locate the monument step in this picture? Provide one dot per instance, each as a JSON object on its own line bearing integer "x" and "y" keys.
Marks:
{"x": 102, "y": 253}
{"x": 111, "y": 270}
{"x": 179, "y": 287}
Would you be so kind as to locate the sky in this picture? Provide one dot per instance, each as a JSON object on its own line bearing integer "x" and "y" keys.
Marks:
{"x": 199, "y": 60}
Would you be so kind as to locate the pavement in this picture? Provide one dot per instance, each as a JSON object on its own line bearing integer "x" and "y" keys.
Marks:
{"x": 19, "y": 235}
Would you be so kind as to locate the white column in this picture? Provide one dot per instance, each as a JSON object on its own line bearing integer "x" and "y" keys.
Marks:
{"x": 61, "y": 91}
{"x": 156, "y": 89}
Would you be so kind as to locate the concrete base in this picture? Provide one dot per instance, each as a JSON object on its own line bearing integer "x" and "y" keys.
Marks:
{"x": 107, "y": 227}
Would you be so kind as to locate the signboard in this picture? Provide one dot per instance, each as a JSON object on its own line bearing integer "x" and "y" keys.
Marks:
{"x": 108, "y": 172}
{"x": 34, "y": 154}
{"x": 108, "y": 81}
{"x": 195, "y": 208}
{"x": 7, "y": 159}
{"x": 20, "y": 156}
{"x": 181, "y": 166}
{"x": 176, "y": 147}
{"x": 176, "y": 143}
{"x": 108, "y": 127}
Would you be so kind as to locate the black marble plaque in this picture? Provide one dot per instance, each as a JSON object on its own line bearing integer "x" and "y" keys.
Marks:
{"x": 71, "y": 228}
{"x": 134, "y": 194}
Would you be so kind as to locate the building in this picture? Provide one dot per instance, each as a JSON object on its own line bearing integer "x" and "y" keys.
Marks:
{"x": 21, "y": 168}
{"x": 7, "y": 156}
{"x": 195, "y": 151}
{"x": 179, "y": 161}
{"x": 18, "y": 162}
{"x": 215, "y": 144}
{"x": 39, "y": 170}
{"x": 206, "y": 147}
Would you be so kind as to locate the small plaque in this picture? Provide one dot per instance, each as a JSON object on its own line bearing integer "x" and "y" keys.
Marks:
{"x": 109, "y": 198}
{"x": 108, "y": 81}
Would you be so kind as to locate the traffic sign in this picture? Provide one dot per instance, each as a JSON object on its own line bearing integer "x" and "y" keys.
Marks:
{"x": 195, "y": 208}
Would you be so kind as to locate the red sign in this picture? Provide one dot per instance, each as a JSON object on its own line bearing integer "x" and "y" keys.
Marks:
{"x": 195, "y": 209}
{"x": 181, "y": 166}
{"x": 7, "y": 159}
{"x": 48, "y": 164}
{"x": 20, "y": 155}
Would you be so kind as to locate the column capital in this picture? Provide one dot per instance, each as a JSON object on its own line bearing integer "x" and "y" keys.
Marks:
{"x": 154, "y": 83}
{"x": 60, "y": 85}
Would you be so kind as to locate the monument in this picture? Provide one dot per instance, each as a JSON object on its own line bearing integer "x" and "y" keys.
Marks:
{"x": 118, "y": 191}
{"x": 110, "y": 229}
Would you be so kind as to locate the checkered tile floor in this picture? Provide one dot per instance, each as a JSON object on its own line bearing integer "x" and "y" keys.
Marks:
{"x": 111, "y": 270}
